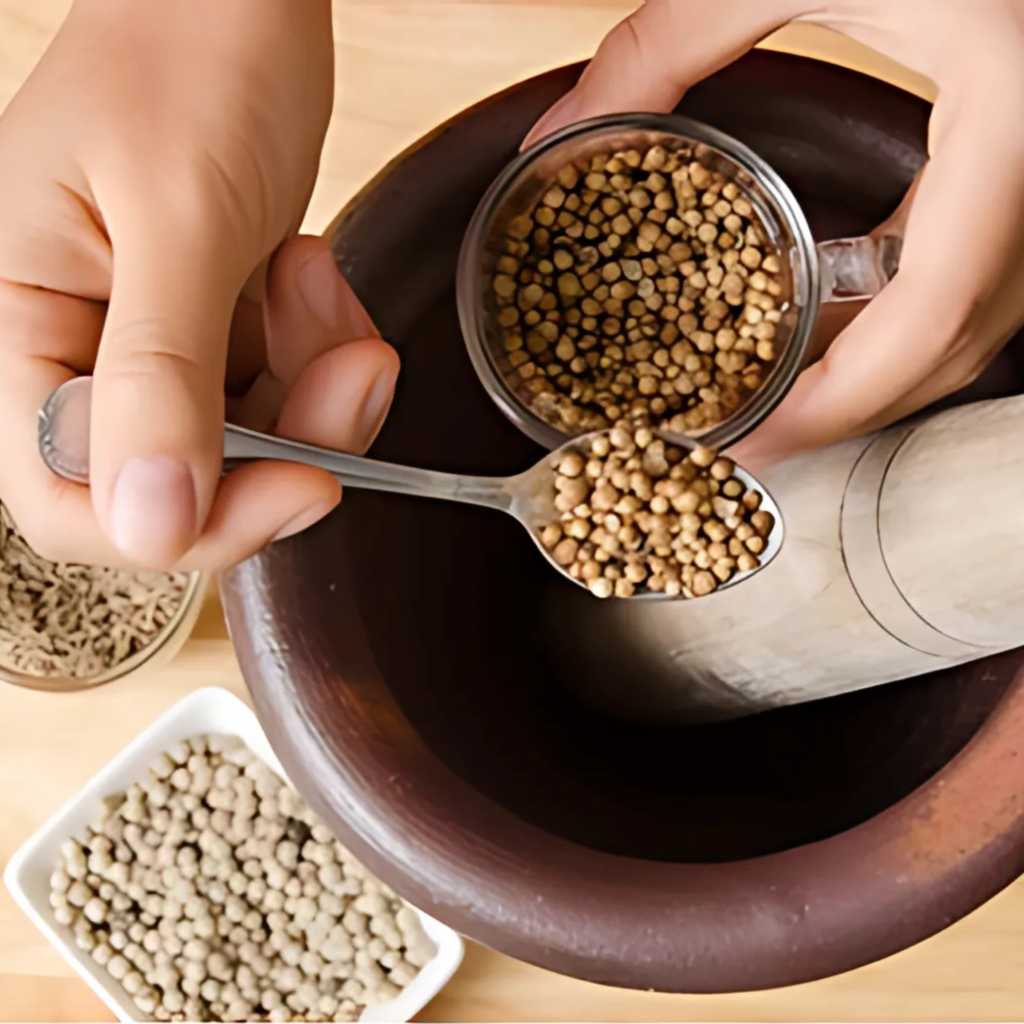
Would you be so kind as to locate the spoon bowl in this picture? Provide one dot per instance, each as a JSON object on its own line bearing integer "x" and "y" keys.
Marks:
{"x": 529, "y": 496}
{"x": 533, "y": 505}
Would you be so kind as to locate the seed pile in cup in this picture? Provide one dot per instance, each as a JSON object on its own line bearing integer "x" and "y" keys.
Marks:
{"x": 76, "y": 621}
{"x": 211, "y": 892}
{"x": 638, "y": 514}
{"x": 641, "y": 283}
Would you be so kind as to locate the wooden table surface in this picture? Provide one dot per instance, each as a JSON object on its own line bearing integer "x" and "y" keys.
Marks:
{"x": 404, "y": 66}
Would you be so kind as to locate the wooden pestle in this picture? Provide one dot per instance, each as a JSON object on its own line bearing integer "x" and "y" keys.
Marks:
{"x": 903, "y": 555}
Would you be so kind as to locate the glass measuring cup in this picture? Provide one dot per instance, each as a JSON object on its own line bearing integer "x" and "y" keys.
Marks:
{"x": 811, "y": 274}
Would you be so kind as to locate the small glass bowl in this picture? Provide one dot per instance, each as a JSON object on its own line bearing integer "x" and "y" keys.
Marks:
{"x": 164, "y": 646}
{"x": 809, "y": 273}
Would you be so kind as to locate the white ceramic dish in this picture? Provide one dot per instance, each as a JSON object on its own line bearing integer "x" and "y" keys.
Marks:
{"x": 206, "y": 711}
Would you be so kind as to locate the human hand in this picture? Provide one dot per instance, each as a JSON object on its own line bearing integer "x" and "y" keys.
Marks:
{"x": 959, "y": 294}
{"x": 153, "y": 165}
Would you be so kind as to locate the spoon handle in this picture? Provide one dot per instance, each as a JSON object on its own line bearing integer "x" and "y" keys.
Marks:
{"x": 64, "y": 447}
{"x": 244, "y": 445}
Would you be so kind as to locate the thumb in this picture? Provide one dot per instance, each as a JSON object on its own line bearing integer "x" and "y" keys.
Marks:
{"x": 649, "y": 60}
{"x": 158, "y": 395}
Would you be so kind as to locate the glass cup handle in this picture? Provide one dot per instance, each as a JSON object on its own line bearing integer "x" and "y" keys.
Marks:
{"x": 858, "y": 268}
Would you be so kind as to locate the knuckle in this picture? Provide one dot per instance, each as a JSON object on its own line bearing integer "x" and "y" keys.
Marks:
{"x": 972, "y": 372}
{"x": 960, "y": 347}
{"x": 958, "y": 367}
{"x": 163, "y": 397}
{"x": 244, "y": 196}
{"x": 647, "y": 38}
{"x": 963, "y": 372}
{"x": 213, "y": 203}
{"x": 191, "y": 204}
{"x": 228, "y": 190}
{"x": 147, "y": 347}
{"x": 632, "y": 38}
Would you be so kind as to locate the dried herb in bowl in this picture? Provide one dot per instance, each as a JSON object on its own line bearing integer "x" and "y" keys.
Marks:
{"x": 73, "y": 621}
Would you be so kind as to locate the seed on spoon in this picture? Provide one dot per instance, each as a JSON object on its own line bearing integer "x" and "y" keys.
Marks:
{"x": 637, "y": 515}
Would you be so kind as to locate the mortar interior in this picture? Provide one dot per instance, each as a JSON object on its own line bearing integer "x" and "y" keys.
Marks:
{"x": 451, "y": 599}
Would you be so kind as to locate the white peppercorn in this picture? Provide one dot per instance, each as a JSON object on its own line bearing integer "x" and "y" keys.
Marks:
{"x": 291, "y": 954}
{"x": 146, "y": 1000}
{"x": 188, "y": 910}
{"x": 78, "y": 894}
{"x": 403, "y": 973}
{"x": 117, "y": 967}
{"x": 133, "y": 983}
{"x": 173, "y": 1001}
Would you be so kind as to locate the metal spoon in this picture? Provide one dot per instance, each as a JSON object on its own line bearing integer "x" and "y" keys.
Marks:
{"x": 529, "y": 496}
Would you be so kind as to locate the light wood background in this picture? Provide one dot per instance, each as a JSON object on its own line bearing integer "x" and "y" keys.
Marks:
{"x": 404, "y": 66}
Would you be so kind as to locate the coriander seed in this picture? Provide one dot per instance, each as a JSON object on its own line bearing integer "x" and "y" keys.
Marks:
{"x": 650, "y": 517}
{"x": 639, "y": 262}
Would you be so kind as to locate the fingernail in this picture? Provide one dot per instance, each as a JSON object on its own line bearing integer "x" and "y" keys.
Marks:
{"x": 331, "y": 300}
{"x": 304, "y": 520}
{"x": 153, "y": 512}
{"x": 318, "y": 280}
{"x": 376, "y": 406}
{"x": 355, "y": 321}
